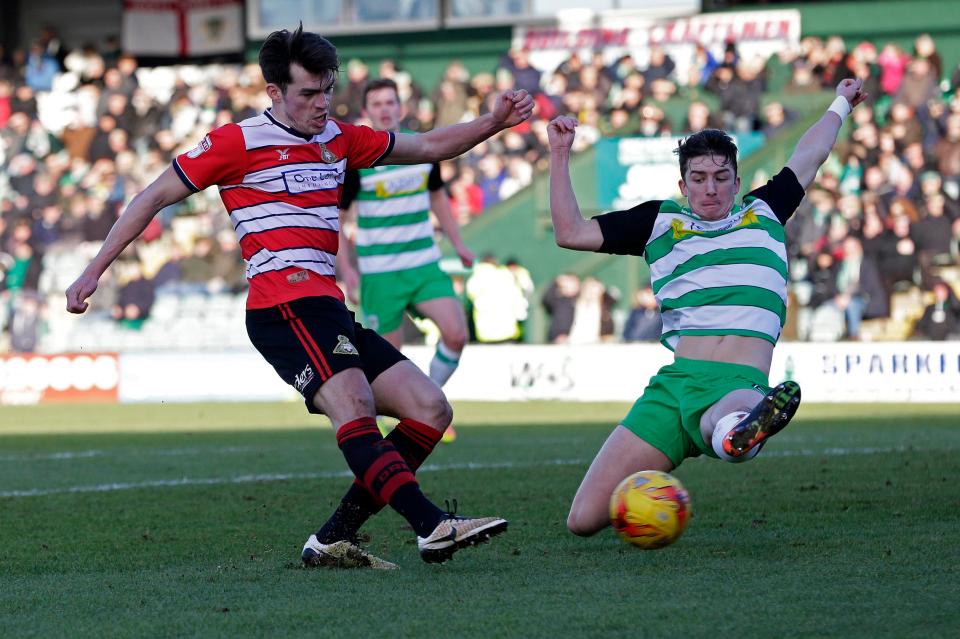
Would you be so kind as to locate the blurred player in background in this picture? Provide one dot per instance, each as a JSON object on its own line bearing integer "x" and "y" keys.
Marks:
{"x": 719, "y": 272}
{"x": 280, "y": 175}
{"x": 397, "y": 258}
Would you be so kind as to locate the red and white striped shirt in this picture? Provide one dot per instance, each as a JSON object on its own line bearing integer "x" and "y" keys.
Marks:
{"x": 282, "y": 191}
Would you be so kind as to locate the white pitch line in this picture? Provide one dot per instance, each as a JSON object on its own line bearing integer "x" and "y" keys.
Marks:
{"x": 428, "y": 468}
{"x": 247, "y": 479}
{"x": 161, "y": 452}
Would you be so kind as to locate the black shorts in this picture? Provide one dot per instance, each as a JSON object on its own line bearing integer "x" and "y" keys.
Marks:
{"x": 309, "y": 340}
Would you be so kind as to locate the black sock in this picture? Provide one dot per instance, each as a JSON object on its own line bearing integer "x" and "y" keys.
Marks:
{"x": 414, "y": 441}
{"x": 385, "y": 475}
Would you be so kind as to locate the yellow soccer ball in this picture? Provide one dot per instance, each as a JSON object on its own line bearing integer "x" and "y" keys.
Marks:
{"x": 650, "y": 509}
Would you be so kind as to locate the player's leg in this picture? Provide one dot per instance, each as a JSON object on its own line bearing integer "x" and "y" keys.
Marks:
{"x": 435, "y": 299}
{"x": 650, "y": 437}
{"x": 384, "y": 298}
{"x": 310, "y": 344}
{"x": 400, "y": 389}
{"x": 623, "y": 454}
{"x": 737, "y": 425}
{"x": 447, "y": 314}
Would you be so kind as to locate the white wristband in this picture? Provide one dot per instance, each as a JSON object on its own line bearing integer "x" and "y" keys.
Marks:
{"x": 841, "y": 107}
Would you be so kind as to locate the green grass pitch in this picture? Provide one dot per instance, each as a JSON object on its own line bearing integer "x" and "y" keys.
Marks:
{"x": 187, "y": 520}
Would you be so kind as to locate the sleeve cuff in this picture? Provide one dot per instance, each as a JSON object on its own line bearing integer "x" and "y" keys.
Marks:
{"x": 183, "y": 177}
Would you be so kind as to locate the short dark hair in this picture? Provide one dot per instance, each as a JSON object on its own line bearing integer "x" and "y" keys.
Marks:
{"x": 310, "y": 50}
{"x": 376, "y": 85}
{"x": 706, "y": 142}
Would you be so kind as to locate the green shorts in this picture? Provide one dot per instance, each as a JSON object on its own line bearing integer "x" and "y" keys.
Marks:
{"x": 667, "y": 415}
{"x": 385, "y": 296}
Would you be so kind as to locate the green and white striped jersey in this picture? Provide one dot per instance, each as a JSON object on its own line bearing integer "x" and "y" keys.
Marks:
{"x": 394, "y": 232}
{"x": 721, "y": 277}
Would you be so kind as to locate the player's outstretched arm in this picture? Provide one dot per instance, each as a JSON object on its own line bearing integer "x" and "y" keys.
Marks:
{"x": 570, "y": 229}
{"x": 512, "y": 108}
{"x": 162, "y": 192}
{"x": 814, "y": 147}
{"x": 440, "y": 206}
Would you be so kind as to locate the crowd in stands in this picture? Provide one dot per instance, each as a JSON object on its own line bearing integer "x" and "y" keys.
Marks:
{"x": 82, "y": 131}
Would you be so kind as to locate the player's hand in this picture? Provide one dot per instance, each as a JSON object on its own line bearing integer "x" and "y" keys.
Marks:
{"x": 79, "y": 291}
{"x": 351, "y": 279}
{"x": 851, "y": 89}
{"x": 513, "y": 107}
{"x": 467, "y": 257}
{"x": 560, "y": 132}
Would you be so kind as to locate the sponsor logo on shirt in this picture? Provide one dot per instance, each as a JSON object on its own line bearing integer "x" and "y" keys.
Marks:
{"x": 299, "y": 276}
{"x": 681, "y": 230}
{"x": 400, "y": 185}
{"x": 306, "y": 180}
{"x": 205, "y": 145}
{"x": 284, "y": 153}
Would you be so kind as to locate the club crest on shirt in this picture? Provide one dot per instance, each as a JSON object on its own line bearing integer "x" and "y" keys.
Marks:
{"x": 205, "y": 145}
{"x": 344, "y": 347}
{"x": 327, "y": 155}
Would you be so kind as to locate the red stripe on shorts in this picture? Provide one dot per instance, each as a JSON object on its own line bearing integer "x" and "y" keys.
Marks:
{"x": 310, "y": 346}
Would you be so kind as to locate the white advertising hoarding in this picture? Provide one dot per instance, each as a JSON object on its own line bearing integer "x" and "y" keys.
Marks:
{"x": 834, "y": 372}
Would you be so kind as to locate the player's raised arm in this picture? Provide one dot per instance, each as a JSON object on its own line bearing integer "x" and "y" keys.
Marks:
{"x": 512, "y": 108}
{"x": 570, "y": 229}
{"x": 814, "y": 147}
{"x": 162, "y": 192}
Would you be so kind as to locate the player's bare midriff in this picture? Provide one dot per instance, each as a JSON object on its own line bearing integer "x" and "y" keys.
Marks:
{"x": 733, "y": 349}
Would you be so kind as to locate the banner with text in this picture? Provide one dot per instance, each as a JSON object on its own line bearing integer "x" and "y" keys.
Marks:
{"x": 49, "y": 379}
{"x": 756, "y": 33}
{"x": 827, "y": 372}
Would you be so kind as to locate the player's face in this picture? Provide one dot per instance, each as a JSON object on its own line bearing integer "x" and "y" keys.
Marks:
{"x": 383, "y": 109}
{"x": 305, "y": 105}
{"x": 710, "y": 186}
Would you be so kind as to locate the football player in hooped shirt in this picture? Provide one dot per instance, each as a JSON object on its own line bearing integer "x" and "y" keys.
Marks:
{"x": 280, "y": 176}
{"x": 719, "y": 273}
{"x": 397, "y": 258}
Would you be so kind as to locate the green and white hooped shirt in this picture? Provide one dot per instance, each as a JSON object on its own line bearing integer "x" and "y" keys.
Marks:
{"x": 721, "y": 277}
{"x": 394, "y": 232}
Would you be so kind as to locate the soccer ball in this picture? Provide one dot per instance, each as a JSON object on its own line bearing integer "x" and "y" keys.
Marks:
{"x": 650, "y": 509}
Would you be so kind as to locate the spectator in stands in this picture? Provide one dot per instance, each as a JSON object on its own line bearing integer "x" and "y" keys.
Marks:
{"x": 466, "y": 196}
{"x": 560, "y": 301}
{"x": 644, "y": 323}
{"x": 924, "y": 48}
{"x": 498, "y": 303}
{"x": 593, "y": 313}
{"x": 776, "y": 118}
{"x": 525, "y": 75}
{"x": 941, "y": 318}
{"x": 348, "y": 103}
{"x": 898, "y": 260}
{"x": 661, "y": 65}
{"x": 893, "y": 63}
{"x": 41, "y": 69}
{"x": 26, "y": 318}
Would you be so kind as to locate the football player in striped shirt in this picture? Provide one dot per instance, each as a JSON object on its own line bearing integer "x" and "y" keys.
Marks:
{"x": 280, "y": 175}
{"x": 398, "y": 260}
{"x": 719, "y": 273}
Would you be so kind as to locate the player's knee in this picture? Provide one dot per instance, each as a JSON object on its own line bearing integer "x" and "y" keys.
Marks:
{"x": 579, "y": 523}
{"x": 455, "y": 339}
{"x": 437, "y": 411}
